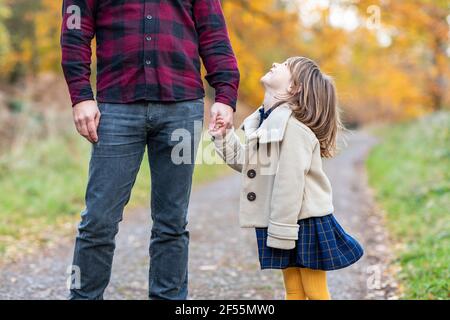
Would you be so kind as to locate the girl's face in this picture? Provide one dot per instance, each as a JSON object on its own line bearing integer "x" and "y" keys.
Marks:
{"x": 278, "y": 79}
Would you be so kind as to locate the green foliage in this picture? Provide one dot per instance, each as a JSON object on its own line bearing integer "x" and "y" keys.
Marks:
{"x": 16, "y": 105}
{"x": 411, "y": 176}
{"x": 44, "y": 181}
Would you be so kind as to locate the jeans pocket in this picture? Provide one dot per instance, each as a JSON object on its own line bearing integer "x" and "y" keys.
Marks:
{"x": 198, "y": 107}
{"x": 101, "y": 106}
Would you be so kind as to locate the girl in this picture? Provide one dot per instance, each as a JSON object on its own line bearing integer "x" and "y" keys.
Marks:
{"x": 285, "y": 193}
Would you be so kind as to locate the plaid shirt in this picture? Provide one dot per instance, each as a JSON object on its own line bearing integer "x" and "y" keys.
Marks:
{"x": 147, "y": 50}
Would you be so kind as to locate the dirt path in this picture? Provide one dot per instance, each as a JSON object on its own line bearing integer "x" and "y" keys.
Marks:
{"x": 223, "y": 257}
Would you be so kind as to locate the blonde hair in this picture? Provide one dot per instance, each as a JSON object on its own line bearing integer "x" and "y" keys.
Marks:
{"x": 313, "y": 98}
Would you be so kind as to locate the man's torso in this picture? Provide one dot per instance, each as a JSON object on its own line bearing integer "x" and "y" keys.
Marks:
{"x": 147, "y": 50}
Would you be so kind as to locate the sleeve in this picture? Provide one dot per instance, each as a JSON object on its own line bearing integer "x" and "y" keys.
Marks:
{"x": 216, "y": 51}
{"x": 293, "y": 165}
{"x": 77, "y": 32}
{"x": 230, "y": 149}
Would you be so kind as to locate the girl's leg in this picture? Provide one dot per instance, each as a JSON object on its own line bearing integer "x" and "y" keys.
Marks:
{"x": 315, "y": 284}
{"x": 293, "y": 284}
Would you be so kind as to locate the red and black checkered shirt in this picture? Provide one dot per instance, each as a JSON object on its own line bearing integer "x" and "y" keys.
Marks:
{"x": 147, "y": 50}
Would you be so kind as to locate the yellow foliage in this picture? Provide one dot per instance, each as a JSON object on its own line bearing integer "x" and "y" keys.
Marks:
{"x": 400, "y": 79}
{"x": 4, "y": 36}
{"x": 260, "y": 33}
{"x": 47, "y": 30}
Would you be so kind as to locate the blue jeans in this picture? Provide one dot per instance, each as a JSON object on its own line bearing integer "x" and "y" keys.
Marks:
{"x": 124, "y": 131}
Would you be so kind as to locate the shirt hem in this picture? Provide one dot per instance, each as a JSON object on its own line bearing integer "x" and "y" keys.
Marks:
{"x": 146, "y": 99}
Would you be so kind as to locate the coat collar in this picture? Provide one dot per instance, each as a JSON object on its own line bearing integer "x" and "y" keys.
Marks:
{"x": 272, "y": 129}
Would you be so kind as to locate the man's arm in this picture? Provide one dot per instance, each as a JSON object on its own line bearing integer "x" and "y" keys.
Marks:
{"x": 77, "y": 32}
{"x": 216, "y": 51}
{"x": 219, "y": 59}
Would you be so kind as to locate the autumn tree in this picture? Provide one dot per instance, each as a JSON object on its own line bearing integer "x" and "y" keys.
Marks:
{"x": 420, "y": 33}
{"x": 394, "y": 70}
{"x": 4, "y": 35}
{"x": 383, "y": 69}
{"x": 261, "y": 32}
{"x": 33, "y": 28}
{"x": 47, "y": 30}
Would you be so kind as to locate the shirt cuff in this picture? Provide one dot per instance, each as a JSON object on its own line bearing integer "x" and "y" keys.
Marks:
{"x": 80, "y": 92}
{"x": 228, "y": 101}
{"x": 78, "y": 100}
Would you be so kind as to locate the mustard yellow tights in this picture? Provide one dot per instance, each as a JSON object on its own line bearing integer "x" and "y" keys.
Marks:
{"x": 305, "y": 284}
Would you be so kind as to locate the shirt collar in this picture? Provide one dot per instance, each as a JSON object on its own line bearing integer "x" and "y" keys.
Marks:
{"x": 263, "y": 115}
{"x": 272, "y": 129}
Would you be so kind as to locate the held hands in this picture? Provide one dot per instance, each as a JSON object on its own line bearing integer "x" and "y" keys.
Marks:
{"x": 219, "y": 130}
{"x": 221, "y": 119}
{"x": 86, "y": 116}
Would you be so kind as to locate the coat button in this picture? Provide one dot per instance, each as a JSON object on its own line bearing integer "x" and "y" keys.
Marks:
{"x": 251, "y": 173}
{"x": 251, "y": 196}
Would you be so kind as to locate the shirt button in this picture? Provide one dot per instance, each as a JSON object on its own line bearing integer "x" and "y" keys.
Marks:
{"x": 251, "y": 196}
{"x": 148, "y": 38}
{"x": 251, "y": 173}
{"x": 148, "y": 62}
{"x": 149, "y": 17}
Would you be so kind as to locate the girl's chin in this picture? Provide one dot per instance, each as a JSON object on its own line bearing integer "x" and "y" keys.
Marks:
{"x": 266, "y": 79}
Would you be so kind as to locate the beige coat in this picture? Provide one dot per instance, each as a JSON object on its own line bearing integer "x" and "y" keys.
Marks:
{"x": 282, "y": 176}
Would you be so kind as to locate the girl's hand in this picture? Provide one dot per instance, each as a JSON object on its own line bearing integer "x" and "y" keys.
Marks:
{"x": 219, "y": 130}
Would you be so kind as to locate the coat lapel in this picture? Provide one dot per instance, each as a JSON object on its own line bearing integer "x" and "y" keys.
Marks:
{"x": 272, "y": 129}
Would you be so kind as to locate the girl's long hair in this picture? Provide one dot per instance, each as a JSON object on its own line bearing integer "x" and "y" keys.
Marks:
{"x": 313, "y": 98}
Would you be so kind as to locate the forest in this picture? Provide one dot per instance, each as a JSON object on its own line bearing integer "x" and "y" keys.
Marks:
{"x": 389, "y": 58}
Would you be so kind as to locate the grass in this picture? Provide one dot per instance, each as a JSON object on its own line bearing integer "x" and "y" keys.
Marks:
{"x": 410, "y": 172}
{"x": 42, "y": 189}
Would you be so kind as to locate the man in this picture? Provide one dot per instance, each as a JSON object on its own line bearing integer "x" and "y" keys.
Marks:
{"x": 148, "y": 86}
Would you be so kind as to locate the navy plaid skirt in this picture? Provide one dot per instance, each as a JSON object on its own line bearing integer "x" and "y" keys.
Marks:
{"x": 322, "y": 244}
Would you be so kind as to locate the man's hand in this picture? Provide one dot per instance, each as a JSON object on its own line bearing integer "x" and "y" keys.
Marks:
{"x": 86, "y": 117}
{"x": 221, "y": 118}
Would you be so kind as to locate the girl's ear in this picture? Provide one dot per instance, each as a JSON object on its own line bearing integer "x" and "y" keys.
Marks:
{"x": 294, "y": 90}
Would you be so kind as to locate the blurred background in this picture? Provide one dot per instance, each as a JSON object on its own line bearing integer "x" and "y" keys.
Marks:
{"x": 390, "y": 60}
